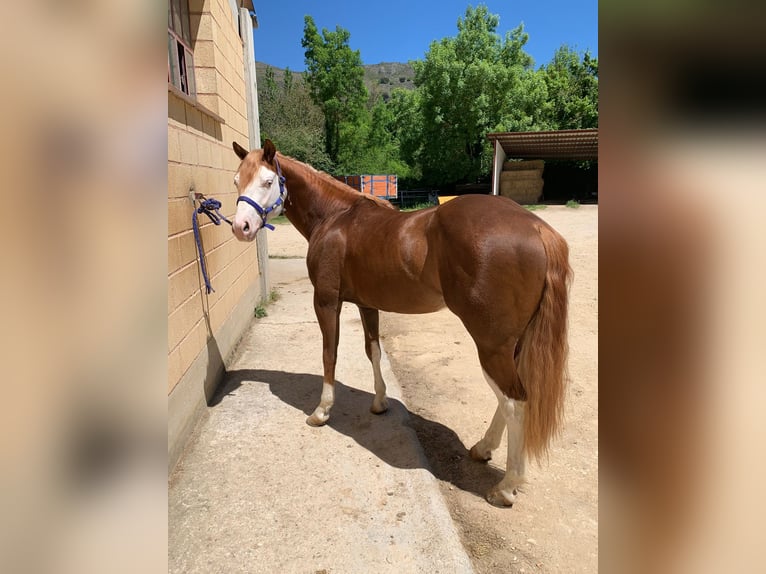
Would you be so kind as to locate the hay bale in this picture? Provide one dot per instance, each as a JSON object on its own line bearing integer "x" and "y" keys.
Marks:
{"x": 523, "y": 186}
{"x": 521, "y": 175}
{"x": 538, "y": 164}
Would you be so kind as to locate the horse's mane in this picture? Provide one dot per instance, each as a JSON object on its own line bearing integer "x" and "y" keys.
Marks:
{"x": 338, "y": 187}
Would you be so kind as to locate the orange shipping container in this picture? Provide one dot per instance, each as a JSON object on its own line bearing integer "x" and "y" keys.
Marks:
{"x": 383, "y": 186}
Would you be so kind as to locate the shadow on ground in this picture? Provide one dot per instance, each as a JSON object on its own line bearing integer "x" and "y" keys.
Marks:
{"x": 448, "y": 458}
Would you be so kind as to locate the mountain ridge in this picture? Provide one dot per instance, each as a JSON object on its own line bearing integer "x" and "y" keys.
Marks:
{"x": 381, "y": 78}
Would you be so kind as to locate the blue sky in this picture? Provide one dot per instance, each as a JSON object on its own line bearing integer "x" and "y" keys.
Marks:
{"x": 400, "y": 30}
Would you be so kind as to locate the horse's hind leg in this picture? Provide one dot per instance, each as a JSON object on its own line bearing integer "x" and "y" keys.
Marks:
{"x": 372, "y": 348}
{"x": 500, "y": 371}
{"x": 504, "y": 493}
{"x": 482, "y": 450}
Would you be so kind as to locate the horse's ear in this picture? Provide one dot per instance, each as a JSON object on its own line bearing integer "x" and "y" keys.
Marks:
{"x": 239, "y": 150}
{"x": 269, "y": 151}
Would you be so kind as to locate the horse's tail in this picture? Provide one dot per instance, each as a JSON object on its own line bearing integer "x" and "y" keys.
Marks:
{"x": 542, "y": 356}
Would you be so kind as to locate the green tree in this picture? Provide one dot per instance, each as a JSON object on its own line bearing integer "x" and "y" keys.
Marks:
{"x": 269, "y": 91}
{"x": 405, "y": 124}
{"x": 335, "y": 76}
{"x": 291, "y": 120}
{"x": 371, "y": 145}
{"x": 572, "y": 86}
{"x": 469, "y": 85}
{"x": 287, "y": 82}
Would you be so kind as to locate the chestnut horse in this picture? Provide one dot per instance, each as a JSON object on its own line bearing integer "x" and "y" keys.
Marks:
{"x": 502, "y": 270}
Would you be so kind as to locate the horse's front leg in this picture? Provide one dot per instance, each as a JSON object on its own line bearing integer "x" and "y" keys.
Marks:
{"x": 370, "y": 320}
{"x": 328, "y": 314}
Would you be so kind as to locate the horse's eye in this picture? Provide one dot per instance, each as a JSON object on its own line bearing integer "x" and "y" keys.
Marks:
{"x": 269, "y": 182}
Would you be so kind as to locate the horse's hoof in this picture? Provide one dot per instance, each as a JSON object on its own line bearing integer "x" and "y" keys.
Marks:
{"x": 379, "y": 408}
{"x": 497, "y": 497}
{"x": 480, "y": 454}
{"x": 317, "y": 420}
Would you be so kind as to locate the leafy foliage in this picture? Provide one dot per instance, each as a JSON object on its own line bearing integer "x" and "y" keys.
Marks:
{"x": 292, "y": 121}
{"x": 406, "y": 126}
{"x": 435, "y": 135}
{"x": 358, "y": 133}
{"x": 372, "y": 145}
{"x": 471, "y": 84}
{"x": 572, "y": 84}
{"x": 335, "y": 77}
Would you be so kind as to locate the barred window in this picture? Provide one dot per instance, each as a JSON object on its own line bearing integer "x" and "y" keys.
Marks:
{"x": 180, "y": 55}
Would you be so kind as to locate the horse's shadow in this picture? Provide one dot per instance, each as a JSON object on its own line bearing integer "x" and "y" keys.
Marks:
{"x": 448, "y": 458}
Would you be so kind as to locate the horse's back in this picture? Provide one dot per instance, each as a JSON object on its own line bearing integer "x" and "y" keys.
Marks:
{"x": 480, "y": 255}
{"x": 493, "y": 212}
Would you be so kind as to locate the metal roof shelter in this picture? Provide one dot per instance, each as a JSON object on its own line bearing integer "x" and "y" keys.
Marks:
{"x": 561, "y": 144}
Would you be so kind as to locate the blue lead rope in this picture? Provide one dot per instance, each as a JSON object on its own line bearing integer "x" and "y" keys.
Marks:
{"x": 210, "y": 208}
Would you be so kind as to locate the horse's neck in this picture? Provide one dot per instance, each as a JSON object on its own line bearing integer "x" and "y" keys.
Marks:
{"x": 309, "y": 202}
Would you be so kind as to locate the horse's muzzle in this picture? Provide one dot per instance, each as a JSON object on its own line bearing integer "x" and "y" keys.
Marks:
{"x": 243, "y": 229}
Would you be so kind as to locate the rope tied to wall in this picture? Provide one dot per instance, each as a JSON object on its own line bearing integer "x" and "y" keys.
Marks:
{"x": 210, "y": 207}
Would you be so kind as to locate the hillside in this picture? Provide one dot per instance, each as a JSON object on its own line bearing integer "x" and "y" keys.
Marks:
{"x": 387, "y": 76}
{"x": 379, "y": 78}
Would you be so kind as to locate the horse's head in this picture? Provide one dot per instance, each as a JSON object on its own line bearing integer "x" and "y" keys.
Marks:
{"x": 261, "y": 193}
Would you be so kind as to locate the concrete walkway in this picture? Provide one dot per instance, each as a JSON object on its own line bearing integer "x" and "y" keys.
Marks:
{"x": 258, "y": 490}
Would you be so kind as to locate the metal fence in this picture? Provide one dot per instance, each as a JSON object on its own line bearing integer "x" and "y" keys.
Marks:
{"x": 413, "y": 197}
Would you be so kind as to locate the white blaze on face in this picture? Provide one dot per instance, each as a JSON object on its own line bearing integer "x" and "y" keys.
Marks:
{"x": 263, "y": 189}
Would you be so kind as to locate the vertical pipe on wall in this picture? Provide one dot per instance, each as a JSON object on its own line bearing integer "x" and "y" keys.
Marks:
{"x": 497, "y": 167}
{"x": 246, "y": 24}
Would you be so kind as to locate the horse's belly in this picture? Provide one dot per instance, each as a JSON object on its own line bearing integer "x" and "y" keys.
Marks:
{"x": 420, "y": 305}
{"x": 398, "y": 299}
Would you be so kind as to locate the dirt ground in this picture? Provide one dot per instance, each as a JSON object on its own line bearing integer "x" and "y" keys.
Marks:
{"x": 553, "y": 527}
